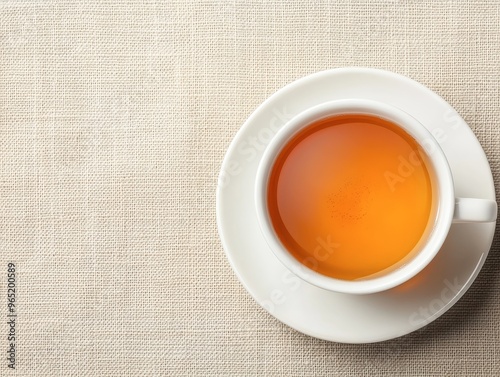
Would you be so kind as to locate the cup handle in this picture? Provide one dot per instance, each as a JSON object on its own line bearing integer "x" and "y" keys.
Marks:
{"x": 471, "y": 210}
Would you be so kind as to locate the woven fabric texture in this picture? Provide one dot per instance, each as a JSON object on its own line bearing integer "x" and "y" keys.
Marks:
{"x": 114, "y": 120}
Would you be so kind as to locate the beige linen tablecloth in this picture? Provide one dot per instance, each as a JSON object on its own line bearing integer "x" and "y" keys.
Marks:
{"x": 114, "y": 119}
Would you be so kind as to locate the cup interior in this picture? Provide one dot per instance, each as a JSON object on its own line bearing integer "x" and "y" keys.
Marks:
{"x": 441, "y": 212}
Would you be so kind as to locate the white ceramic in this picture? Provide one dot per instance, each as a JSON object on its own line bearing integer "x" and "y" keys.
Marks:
{"x": 468, "y": 209}
{"x": 337, "y": 316}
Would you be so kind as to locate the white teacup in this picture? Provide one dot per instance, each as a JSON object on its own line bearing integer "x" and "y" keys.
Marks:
{"x": 449, "y": 208}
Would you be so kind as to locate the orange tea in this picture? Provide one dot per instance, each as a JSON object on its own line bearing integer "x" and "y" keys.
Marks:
{"x": 350, "y": 196}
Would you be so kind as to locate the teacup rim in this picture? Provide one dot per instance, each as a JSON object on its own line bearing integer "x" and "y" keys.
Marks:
{"x": 444, "y": 215}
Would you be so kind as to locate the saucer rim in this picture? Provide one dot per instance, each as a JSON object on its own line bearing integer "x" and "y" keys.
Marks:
{"x": 237, "y": 139}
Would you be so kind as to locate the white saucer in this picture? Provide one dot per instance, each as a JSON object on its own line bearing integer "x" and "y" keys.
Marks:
{"x": 334, "y": 316}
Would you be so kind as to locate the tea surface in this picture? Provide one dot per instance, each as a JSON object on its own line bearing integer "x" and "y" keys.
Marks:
{"x": 350, "y": 196}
